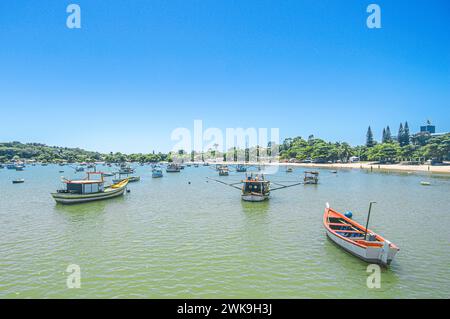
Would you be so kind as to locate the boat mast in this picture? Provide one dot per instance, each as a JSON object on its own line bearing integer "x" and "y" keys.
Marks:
{"x": 368, "y": 217}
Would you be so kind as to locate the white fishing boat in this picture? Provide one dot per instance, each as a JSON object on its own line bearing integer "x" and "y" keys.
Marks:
{"x": 173, "y": 168}
{"x": 357, "y": 239}
{"x": 255, "y": 188}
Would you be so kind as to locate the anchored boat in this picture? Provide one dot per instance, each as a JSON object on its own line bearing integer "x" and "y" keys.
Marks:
{"x": 311, "y": 177}
{"x": 255, "y": 189}
{"x": 241, "y": 168}
{"x": 86, "y": 190}
{"x": 223, "y": 171}
{"x": 157, "y": 172}
{"x": 173, "y": 168}
{"x": 357, "y": 239}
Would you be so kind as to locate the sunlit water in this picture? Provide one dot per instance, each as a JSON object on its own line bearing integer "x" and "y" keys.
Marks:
{"x": 168, "y": 238}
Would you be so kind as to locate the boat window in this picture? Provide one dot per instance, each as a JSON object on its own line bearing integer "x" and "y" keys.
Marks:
{"x": 74, "y": 188}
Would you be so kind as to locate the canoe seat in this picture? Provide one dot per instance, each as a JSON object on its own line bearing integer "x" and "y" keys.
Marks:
{"x": 339, "y": 224}
{"x": 349, "y": 231}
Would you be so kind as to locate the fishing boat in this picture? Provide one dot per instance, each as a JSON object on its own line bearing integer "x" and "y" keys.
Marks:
{"x": 18, "y": 181}
{"x": 173, "y": 168}
{"x": 131, "y": 179}
{"x": 311, "y": 177}
{"x": 157, "y": 172}
{"x": 19, "y": 167}
{"x": 223, "y": 171}
{"x": 108, "y": 174}
{"x": 241, "y": 168}
{"x": 357, "y": 239}
{"x": 255, "y": 188}
{"x": 86, "y": 190}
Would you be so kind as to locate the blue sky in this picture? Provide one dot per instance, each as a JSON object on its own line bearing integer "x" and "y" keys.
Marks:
{"x": 136, "y": 70}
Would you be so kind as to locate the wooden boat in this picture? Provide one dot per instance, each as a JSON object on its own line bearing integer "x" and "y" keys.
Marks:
{"x": 157, "y": 172}
{"x": 173, "y": 168}
{"x": 311, "y": 177}
{"x": 357, "y": 239}
{"x": 131, "y": 179}
{"x": 81, "y": 191}
{"x": 224, "y": 171}
{"x": 255, "y": 188}
{"x": 18, "y": 181}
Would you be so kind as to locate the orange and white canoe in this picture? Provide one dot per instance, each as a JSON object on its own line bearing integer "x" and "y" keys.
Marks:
{"x": 349, "y": 235}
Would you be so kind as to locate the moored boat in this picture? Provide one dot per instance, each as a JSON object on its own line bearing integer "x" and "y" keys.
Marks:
{"x": 18, "y": 181}
{"x": 173, "y": 168}
{"x": 157, "y": 172}
{"x": 357, "y": 239}
{"x": 80, "y": 191}
{"x": 241, "y": 168}
{"x": 255, "y": 188}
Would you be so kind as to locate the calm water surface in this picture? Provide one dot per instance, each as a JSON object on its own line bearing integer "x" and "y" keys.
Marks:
{"x": 168, "y": 238}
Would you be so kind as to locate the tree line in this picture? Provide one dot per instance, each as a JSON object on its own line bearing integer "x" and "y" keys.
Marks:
{"x": 403, "y": 147}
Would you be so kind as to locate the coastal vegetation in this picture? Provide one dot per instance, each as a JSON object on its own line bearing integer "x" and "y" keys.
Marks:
{"x": 416, "y": 148}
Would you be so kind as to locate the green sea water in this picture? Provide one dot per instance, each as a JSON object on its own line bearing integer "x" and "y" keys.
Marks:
{"x": 169, "y": 238}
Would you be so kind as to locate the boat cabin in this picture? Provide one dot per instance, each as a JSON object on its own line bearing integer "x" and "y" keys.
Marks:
{"x": 85, "y": 186}
{"x": 256, "y": 185}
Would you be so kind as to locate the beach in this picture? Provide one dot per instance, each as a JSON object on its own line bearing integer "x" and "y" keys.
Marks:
{"x": 441, "y": 169}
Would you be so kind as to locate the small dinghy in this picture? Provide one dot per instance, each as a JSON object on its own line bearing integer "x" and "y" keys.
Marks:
{"x": 357, "y": 239}
{"x": 18, "y": 181}
{"x": 425, "y": 183}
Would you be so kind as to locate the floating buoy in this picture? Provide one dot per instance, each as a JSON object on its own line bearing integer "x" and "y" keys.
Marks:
{"x": 128, "y": 190}
{"x": 348, "y": 214}
{"x": 189, "y": 183}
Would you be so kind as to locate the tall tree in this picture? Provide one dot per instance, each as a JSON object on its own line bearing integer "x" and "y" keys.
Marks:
{"x": 401, "y": 134}
{"x": 406, "y": 136}
{"x": 388, "y": 134}
{"x": 369, "y": 138}
{"x": 383, "y": 138}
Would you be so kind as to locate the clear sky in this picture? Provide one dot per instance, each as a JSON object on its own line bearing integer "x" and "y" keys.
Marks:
{"x": 136, "y": 70}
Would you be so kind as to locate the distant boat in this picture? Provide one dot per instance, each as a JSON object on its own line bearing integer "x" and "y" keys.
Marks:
{"x": 357, "y": 240}
{"x": 19, "y": 167}
{"x": 223, "y": 171}
{"x": 425, "y": 183}
{"x": 195, "y": 165}
{"x": 79, "y": 169}
{"x": 289, "y": 170}
{"x": 173, "y": 168}
{"x": 11, "y": 166}
{"x": 131, "y": 179}
{"x": 1, "y": 166}
{"x": 241, "y": 168}
{"x": 311, "y": 177}
{"x": 80, "y": 191}
{"x": 157, "y": 172}
{"x": 18, "y": 181}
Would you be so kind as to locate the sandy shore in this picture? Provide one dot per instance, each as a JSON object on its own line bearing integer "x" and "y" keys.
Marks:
{"x": 361, "y": 165}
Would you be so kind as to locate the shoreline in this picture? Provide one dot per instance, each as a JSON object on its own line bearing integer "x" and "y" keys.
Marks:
{"x": 444, "y": 169}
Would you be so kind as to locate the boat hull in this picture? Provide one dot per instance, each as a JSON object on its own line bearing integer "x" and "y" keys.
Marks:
{"x": 371, "y": 255}
{"x": 64, "y": 198}
{"x": 254, "y": 198}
